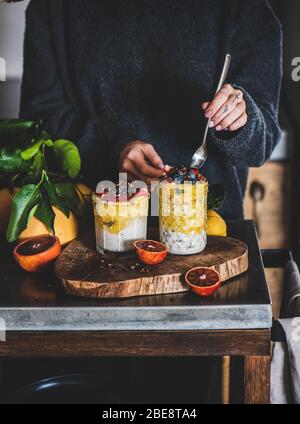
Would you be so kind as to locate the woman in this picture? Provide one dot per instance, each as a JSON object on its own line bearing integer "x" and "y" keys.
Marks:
{"x": 132, "y": 83}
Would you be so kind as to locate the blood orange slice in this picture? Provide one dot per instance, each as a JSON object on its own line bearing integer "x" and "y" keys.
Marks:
{"x": 203, "y": 281}
{"x": 36, "y": 253}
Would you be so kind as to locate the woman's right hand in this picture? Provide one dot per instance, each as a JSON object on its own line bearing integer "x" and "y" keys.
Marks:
{"x": 141, "y": 162}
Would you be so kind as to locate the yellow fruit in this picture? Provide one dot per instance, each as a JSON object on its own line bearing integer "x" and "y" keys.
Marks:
{"x": 6, "y": 196}
{"x": 84, "y": 193}
{"x": 66, "y": 229}
{"x": 216, "y": 225}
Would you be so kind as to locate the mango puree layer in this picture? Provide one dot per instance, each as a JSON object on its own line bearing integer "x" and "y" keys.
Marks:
{"x": 114, "y": 217}
{"x": 183, "y": 208}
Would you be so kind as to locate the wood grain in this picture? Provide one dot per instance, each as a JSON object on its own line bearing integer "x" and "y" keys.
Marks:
{"x": 257, "y": 379}
{"x": 85, "y": 273}
{"x": 136, "y": 343}
{"x": 273, "y": 215}
{"x": 275, "y": 278}
{"x": 225, "y": 380}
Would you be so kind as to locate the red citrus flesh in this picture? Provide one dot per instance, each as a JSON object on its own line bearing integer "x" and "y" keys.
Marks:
{"x": 36, "y": 253}
{"x": 203, "y": 277}
{"x": 38, "y": 245}
{"x": 150, "y": 252}
{"x": 203, "y": 281}
{"x": 151, "y": 246}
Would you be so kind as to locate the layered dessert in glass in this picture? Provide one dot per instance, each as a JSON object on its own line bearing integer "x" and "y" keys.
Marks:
{"x": 120, "y": 219}
{"x": 183, "y": 210}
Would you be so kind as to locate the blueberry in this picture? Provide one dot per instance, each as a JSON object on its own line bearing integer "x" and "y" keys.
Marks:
{"x": 192, "y": 176}
{"x": 178, "y": 179}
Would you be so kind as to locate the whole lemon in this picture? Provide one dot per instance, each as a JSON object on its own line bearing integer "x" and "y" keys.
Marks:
{"x": 216, "y": 225}
{"x": 66, "y": 229}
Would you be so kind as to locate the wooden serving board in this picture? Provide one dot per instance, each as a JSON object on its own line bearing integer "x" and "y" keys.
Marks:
{"x": 85, "y": 273}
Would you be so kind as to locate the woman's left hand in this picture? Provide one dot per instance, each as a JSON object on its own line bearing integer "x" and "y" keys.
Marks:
{"x": 227, "y": 110}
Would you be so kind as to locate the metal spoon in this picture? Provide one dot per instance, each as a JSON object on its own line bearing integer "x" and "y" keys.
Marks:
{"x": 200, "y": 154}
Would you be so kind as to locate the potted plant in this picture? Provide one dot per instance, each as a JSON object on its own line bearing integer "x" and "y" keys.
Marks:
{"x": 39, "y": 190}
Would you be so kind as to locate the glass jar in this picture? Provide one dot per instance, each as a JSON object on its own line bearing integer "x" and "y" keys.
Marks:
{"x": 182, "y": 216}
{"x": 118, "y": 224}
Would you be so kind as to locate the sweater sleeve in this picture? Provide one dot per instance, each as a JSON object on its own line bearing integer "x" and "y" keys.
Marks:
{"x": 46, "y": 96}
{"x": 255, "y": 43}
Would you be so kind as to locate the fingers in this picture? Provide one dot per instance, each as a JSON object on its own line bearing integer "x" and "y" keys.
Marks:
{"x": 219, "y": 100}
{"x": 232, "y": 117}
{"x": 140, "y": 161}
{"x": 133, "y": 172}
{"x": 239, "y": 123}
{"x": 152, "y": 156}
{"x": 226, "y": 109}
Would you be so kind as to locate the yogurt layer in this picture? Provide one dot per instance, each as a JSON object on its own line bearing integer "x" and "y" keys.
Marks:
{"x": 182, "y": 243}
{"x": 119, "y": 223}
{"x": 122, "y": 241}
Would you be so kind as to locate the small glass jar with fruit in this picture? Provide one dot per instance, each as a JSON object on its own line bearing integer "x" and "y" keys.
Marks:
{"x": 120, "y": 219}
{"x": 183, "y": 210}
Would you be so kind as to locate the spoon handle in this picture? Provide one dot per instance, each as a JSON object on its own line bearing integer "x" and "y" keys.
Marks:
{"x": 220, "y": 85}
{"x": 224, "y": 72}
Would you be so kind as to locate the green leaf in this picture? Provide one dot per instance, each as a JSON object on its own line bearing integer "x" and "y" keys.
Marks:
{"x": 38, "y": 165}
{"x": 68, "y": 157}
{"x": 45, "y": 136}
{"x": 44, "y": 212}
{"x": 55, "y": 199}
{"x": 12, "y": 161}
{"x": 35, "y": 147}
{"x": 34, "y": 173}
{"x": 18, "y": 132}
{"x": 31, "y": 213}
{"x": 216, "y": 195}
{"x": 22, "y": 204}
{"x": 12, "y": 126}
{"x": 69, "y": 193}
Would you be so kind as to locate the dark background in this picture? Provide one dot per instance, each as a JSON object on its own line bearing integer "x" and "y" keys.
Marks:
{"x": 289, "y": 14}
{"x": 15, "y": 372}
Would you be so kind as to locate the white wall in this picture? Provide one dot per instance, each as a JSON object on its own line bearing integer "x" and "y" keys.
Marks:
{"x": 12, "y": 24}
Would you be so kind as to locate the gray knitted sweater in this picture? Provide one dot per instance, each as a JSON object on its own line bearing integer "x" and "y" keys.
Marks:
{"x": 107, "y": 72}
